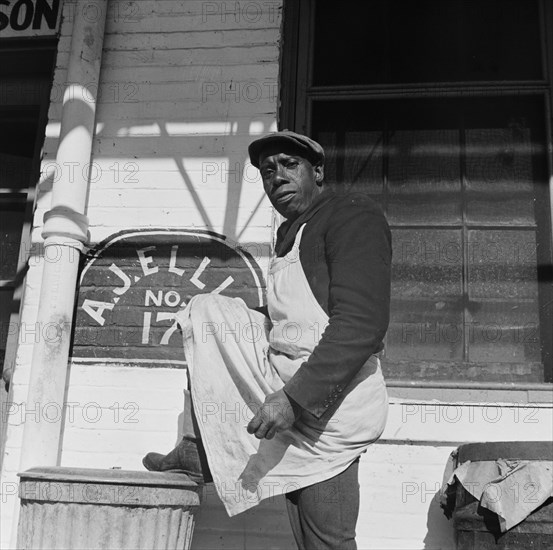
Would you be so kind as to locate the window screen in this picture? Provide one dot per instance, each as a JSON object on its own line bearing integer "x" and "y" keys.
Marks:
{"x": 463, "y": 183}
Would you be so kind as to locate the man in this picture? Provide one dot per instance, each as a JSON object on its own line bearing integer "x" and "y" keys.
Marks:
{"x": 311, "y": 376}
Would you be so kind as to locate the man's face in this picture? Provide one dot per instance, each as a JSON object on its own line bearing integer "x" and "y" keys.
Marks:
{"x": 290, "y": 181}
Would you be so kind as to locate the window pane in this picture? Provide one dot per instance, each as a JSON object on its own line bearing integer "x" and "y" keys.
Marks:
{"x": 15, "y": 172}
{"x": 423, "y": 152}
{"x": 499, "y": 176}
{"x": 503, "y": 294}
{"x": 500, "y": 40}
{"x": 459, "y": 40}
{"x": 11, "y": 223}
{"x": 355, "y": 53}
{"x": 505, "y": 159}
{"x": 356, "y": 161}
{"x": 363, "y": 159}
{"x": 427, "y": 263}
{"x": 401, "y": 41}
{"x": 427, "y": 295}
{"x": 504, "y": 332}
{"x": 419, "y": 331}
{"x": 425, "y": 42}
{"x": 502, "y": 265}
{"x": 424, "y": 177}
{"x": 6, "y": 304}
{"x": 353, "y": 138}
{"x": 20, "y": 140}
{"x": 328, "y": 141}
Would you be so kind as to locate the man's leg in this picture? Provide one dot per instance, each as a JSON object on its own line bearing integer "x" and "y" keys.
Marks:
{"x": 189, "y": 455}
{"x": 324, "y": 516}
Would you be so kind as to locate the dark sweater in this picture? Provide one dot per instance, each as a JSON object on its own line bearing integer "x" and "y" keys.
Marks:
{"x": 345, "y": 252}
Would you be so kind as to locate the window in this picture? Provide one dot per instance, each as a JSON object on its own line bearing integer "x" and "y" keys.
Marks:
{"x": 26, "y": 72}
{"x": 439, "y": 110}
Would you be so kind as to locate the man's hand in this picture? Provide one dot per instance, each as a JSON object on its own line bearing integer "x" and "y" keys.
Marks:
{"x": 275, "y": 415}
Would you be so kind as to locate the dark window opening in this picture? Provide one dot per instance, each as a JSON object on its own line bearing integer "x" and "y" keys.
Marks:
{"x": 26, "y": 68}
{"x": 402, "y": 41}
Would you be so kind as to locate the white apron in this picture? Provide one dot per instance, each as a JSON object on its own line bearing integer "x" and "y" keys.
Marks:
{"x": 236, "y": 359}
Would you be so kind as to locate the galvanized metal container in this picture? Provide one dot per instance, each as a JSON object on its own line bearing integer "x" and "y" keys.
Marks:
{"x": 477, "y": 528}
{"x": 81, "y": 508}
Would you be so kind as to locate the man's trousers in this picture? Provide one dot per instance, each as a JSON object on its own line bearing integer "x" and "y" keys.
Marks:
{"x": 324, "y": 515}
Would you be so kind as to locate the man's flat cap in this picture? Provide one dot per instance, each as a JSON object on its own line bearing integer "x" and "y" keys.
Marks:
{"x": 308, "y": 148}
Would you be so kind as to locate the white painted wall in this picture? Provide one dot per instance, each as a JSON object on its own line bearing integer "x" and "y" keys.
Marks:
{"x": 185, "y": 86}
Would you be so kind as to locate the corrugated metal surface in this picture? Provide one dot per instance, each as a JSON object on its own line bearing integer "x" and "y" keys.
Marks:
{"x": 71, "y": 508}
{"x": 61, "y": 525}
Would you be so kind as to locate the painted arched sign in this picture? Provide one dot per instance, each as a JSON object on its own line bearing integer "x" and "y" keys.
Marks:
{"x": 135, "y": 282}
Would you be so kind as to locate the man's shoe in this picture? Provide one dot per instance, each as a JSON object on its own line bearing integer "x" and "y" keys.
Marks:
{"x": 186, "y": 458}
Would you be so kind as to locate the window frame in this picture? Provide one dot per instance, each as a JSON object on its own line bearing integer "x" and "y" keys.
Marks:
{"x": 295, "y": 113}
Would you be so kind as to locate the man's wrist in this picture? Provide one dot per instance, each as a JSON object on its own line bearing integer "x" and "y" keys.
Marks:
{"x": 297, "y": 409}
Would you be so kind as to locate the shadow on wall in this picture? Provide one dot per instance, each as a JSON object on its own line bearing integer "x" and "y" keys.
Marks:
{"x": 440, "y": 535}
{"x": 264, "y": 526}
{"x": 210, "y": 166}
